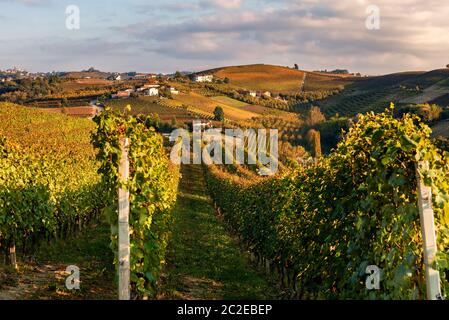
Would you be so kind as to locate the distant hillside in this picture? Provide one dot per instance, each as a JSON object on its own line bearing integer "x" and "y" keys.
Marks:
{"x": 86, "y": 74}
{"x": 376, "y": 93}
{"x": 277, "y": 79}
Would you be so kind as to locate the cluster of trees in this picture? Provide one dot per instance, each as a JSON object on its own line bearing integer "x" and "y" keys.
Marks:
{"x": 310, "y": 96}
{"x": 221, "y": 81}
{"x": 321, "y": 134}
{"x": 336, "y": 71}
{"x": 289, "y": 154}
{"x": 329, "y": 131}
{"x": 165, "y": 92}
{"x": 24, "y": 89}
{"x": 28, "y": 90}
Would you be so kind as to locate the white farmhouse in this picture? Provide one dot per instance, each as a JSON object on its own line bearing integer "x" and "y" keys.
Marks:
{"x": 152, "y": 92}
{"x": 115, "y": 77}
{"x": 203, "y": 78}
{"x": 147, "y": 86}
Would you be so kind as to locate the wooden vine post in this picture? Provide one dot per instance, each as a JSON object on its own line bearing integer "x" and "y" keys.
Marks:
{"x": 123, "y": 225}
{"x": 12, "y": 256}
{"x": 428, "y": 234}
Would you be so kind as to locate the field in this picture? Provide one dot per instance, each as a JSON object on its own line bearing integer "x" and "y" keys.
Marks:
{"x": 435, "y": 92}
{"x": 208, "y": 106}
{"x": 147, "y": 105}
{"x": 272, "y": 113}
{"x": 264, "y": 77}
{"x": 278, "y": 79}
{"x": 83, "y": 112}
{"x": 42, "y": 131}
{"x": 80, "y": 84}
{"x": 84, "y": 74}
{"x": 229, "y": 102}
{"x": 326, "y": 82}
{"x": 376, "y": 93}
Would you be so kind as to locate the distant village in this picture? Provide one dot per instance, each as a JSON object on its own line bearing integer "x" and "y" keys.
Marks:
{"x": 17, "y": 73}
{"x": 152, "y": 88}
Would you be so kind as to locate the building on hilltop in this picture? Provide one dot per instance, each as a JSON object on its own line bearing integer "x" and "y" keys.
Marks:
{"x": 203, "y": 77}
{"x": 153, "y": 91}
{"x": 251, "y": 93}
{"x": 115, "y": 77}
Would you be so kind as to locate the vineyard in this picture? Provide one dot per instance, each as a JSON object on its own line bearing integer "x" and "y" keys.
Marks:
{"x": 49, "y": 182}
{"x": 55, "y": 182}
{"x": 144, "y": 105}
{"x": 320, "y": 228}
{"x": 152, "y": 186}
{"x": 314, "y": 228}
{"x": 279, "y": 79}
{"x": 373, "y": 93}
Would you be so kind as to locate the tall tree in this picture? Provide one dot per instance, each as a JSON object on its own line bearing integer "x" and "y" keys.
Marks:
{"x": 314, "y": 140}
{"x": 174, "y": 122}
{"x": 314, "y": 116}
{"x": 178, "y": 75}
{"x": 218, "y": 114}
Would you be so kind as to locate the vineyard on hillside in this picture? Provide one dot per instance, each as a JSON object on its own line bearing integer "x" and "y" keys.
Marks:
{"x": 322, "y": 226}
{"x": 49, "y": 186}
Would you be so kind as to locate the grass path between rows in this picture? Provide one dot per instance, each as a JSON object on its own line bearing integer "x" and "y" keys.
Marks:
{"x": 204, "y": 261}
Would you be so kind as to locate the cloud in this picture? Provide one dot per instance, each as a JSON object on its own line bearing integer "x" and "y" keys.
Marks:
{"x": 225, "y": 4}
{"x": 60, "y": 54}
{"x": 192, "y": 6}
{"x": 30, "y": 3}
{"x": 323, "y": 33}
{"x": 175, "y": 34}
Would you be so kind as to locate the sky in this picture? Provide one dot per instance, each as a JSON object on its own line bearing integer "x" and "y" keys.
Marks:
{"x": 194, "y": 35}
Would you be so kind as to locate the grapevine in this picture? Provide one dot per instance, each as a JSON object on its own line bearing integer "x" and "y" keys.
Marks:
{"x": 153, "y": 188}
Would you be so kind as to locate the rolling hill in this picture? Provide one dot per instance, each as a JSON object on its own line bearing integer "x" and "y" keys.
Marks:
{"x": 232, "y": 109}
{"x": 277, "y": 79}
{"x": 376, "y": 93}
